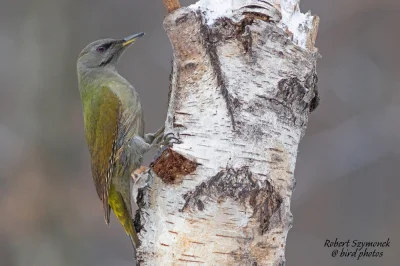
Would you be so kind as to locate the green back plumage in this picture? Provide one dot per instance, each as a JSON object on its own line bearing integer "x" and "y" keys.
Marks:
{"x": 112, "y": 117}
{"x": 101, "y": 117}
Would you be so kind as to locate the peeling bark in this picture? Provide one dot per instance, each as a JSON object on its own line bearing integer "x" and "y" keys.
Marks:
{"x": 242, "y": 88}
{"x": 171, "y": 167}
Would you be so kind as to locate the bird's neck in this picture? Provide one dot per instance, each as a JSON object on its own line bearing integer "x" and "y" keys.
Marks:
{"x": 95, "y": 77}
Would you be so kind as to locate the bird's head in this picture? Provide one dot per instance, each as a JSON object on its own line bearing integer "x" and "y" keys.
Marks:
{"x": 105, "y": 52}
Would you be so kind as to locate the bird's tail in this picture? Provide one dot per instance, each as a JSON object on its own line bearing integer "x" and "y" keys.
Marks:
{"x": 134, "y": 238}
{"x": 120, "y": 209}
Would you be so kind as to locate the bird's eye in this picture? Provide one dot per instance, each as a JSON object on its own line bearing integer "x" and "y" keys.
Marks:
{"x": 100, "y": 49}
{"x": 104, "y": 47}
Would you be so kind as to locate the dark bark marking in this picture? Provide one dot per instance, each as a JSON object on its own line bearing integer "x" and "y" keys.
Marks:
{"x": 267, "y": 202}
{"x": 279, "y": 107}
{"x": 200, "y": 205}
{"x": 314, "y": 102}
{"x": 181, "y": 19}
{"x": 210, "y": 39}
{"x": 290, "y": 90}
{"x": 243, "y": 33}
{"x": 289, "y": 101}
{"x": 171, "y": 75}
{"x": 225, "y": 29}
{"x": 239, "y": 185}
{"x": 312, "y": 84}
{"x": 141, "y": 202}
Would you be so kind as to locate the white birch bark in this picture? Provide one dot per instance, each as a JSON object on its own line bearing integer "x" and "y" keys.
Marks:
{"x": 243, "y": 85}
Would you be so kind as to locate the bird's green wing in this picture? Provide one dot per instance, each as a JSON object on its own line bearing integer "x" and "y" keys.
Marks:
{"x": 102, "y": 113}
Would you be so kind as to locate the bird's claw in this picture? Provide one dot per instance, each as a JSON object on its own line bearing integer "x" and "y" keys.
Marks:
{"x": 165, "y": 143}
{"x": 167, "y": 140}
{"x": 170, "y": 138}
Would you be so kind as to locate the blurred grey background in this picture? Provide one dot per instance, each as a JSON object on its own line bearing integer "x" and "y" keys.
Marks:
{"x": 347, "y": 175}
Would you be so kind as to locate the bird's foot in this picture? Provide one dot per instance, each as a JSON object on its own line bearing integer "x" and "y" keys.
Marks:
{"x": 151, "y": 137}
{"x": 170, "y": 138}
{"x": 166, "y": 140}
{"x": 165, "y": 143}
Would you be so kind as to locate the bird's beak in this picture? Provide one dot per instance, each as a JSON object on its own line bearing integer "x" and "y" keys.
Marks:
{"x": 130, "y": 39}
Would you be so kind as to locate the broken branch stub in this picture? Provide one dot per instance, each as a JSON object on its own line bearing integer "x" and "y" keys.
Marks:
{"x": 240, "y": 98}
{"x": 171, "y": 5}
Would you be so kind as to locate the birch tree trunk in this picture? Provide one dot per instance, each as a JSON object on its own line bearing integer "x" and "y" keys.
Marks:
{"x": 243, "y": 84}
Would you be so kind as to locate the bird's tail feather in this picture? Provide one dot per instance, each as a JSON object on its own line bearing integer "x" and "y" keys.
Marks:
{"x": 133, "y": 246}
{"x": 122, "y": 212}
{"x": 134, "y": 239}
